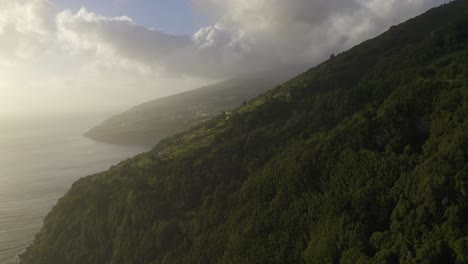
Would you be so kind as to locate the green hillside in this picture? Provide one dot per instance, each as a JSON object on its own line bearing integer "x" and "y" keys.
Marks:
{"x": 362, "y": 159}
{"x": 152, "y": 121}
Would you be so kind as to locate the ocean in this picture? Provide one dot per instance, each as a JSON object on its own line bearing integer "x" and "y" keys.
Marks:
{"x": 39, "y": 160}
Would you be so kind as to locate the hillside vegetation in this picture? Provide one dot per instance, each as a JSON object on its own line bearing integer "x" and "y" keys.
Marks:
{"x": 152, "y": 121}
{"x": 362, "y": 159}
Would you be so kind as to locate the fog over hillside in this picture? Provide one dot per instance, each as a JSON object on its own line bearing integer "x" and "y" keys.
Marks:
{"x": 58, "y": 59}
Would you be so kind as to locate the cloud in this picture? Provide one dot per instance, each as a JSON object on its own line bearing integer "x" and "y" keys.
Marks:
{"x": 249, "y": 35}
{"x": 208, "y": 53}
{"x": 88, "y": 56}
{"x": 25, "y": 28}
{"x": 305, "y": 31}
{"x": 118, "y": 36}
{"x": 56, "y": 60}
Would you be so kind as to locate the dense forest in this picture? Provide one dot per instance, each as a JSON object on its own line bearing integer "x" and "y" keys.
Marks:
{"x": 362, "y": 159}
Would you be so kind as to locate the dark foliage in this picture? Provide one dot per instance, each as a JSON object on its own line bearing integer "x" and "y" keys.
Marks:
{"x": 362, "y": 159}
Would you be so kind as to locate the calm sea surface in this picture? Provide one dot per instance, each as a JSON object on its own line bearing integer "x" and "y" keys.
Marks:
{"x": 39, "y": 160}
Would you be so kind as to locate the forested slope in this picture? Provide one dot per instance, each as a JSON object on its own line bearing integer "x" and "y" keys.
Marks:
{"x": 147, "y": 123}
{"x": 362, "y": 159}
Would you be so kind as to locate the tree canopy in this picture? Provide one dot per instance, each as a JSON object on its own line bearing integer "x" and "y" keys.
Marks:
{"x": 362, "y": 159}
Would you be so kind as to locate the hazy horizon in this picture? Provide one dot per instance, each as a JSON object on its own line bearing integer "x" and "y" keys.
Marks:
{"x": 314, "y": 138}
{"x": 64, "y": 56}
{"x": 39, "y": 160}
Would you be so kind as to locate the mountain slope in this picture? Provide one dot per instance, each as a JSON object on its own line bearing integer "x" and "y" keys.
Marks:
{"x": 362, "y": 159}
{"x": 152, "y": 121}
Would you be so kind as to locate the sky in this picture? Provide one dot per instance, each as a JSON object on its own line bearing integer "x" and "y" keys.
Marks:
{"x": 171, "y": 16}
{"x": 62, "y": 56}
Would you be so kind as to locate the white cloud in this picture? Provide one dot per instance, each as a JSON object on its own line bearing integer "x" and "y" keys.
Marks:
{"x": 25, "y": 28}
{"x": 118, "y": 35}
{"x": 52, "y": 60}
{"x": 111, "y": 57}
{"x": 305, "y": 31}
{"x": 249, "y": 35}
